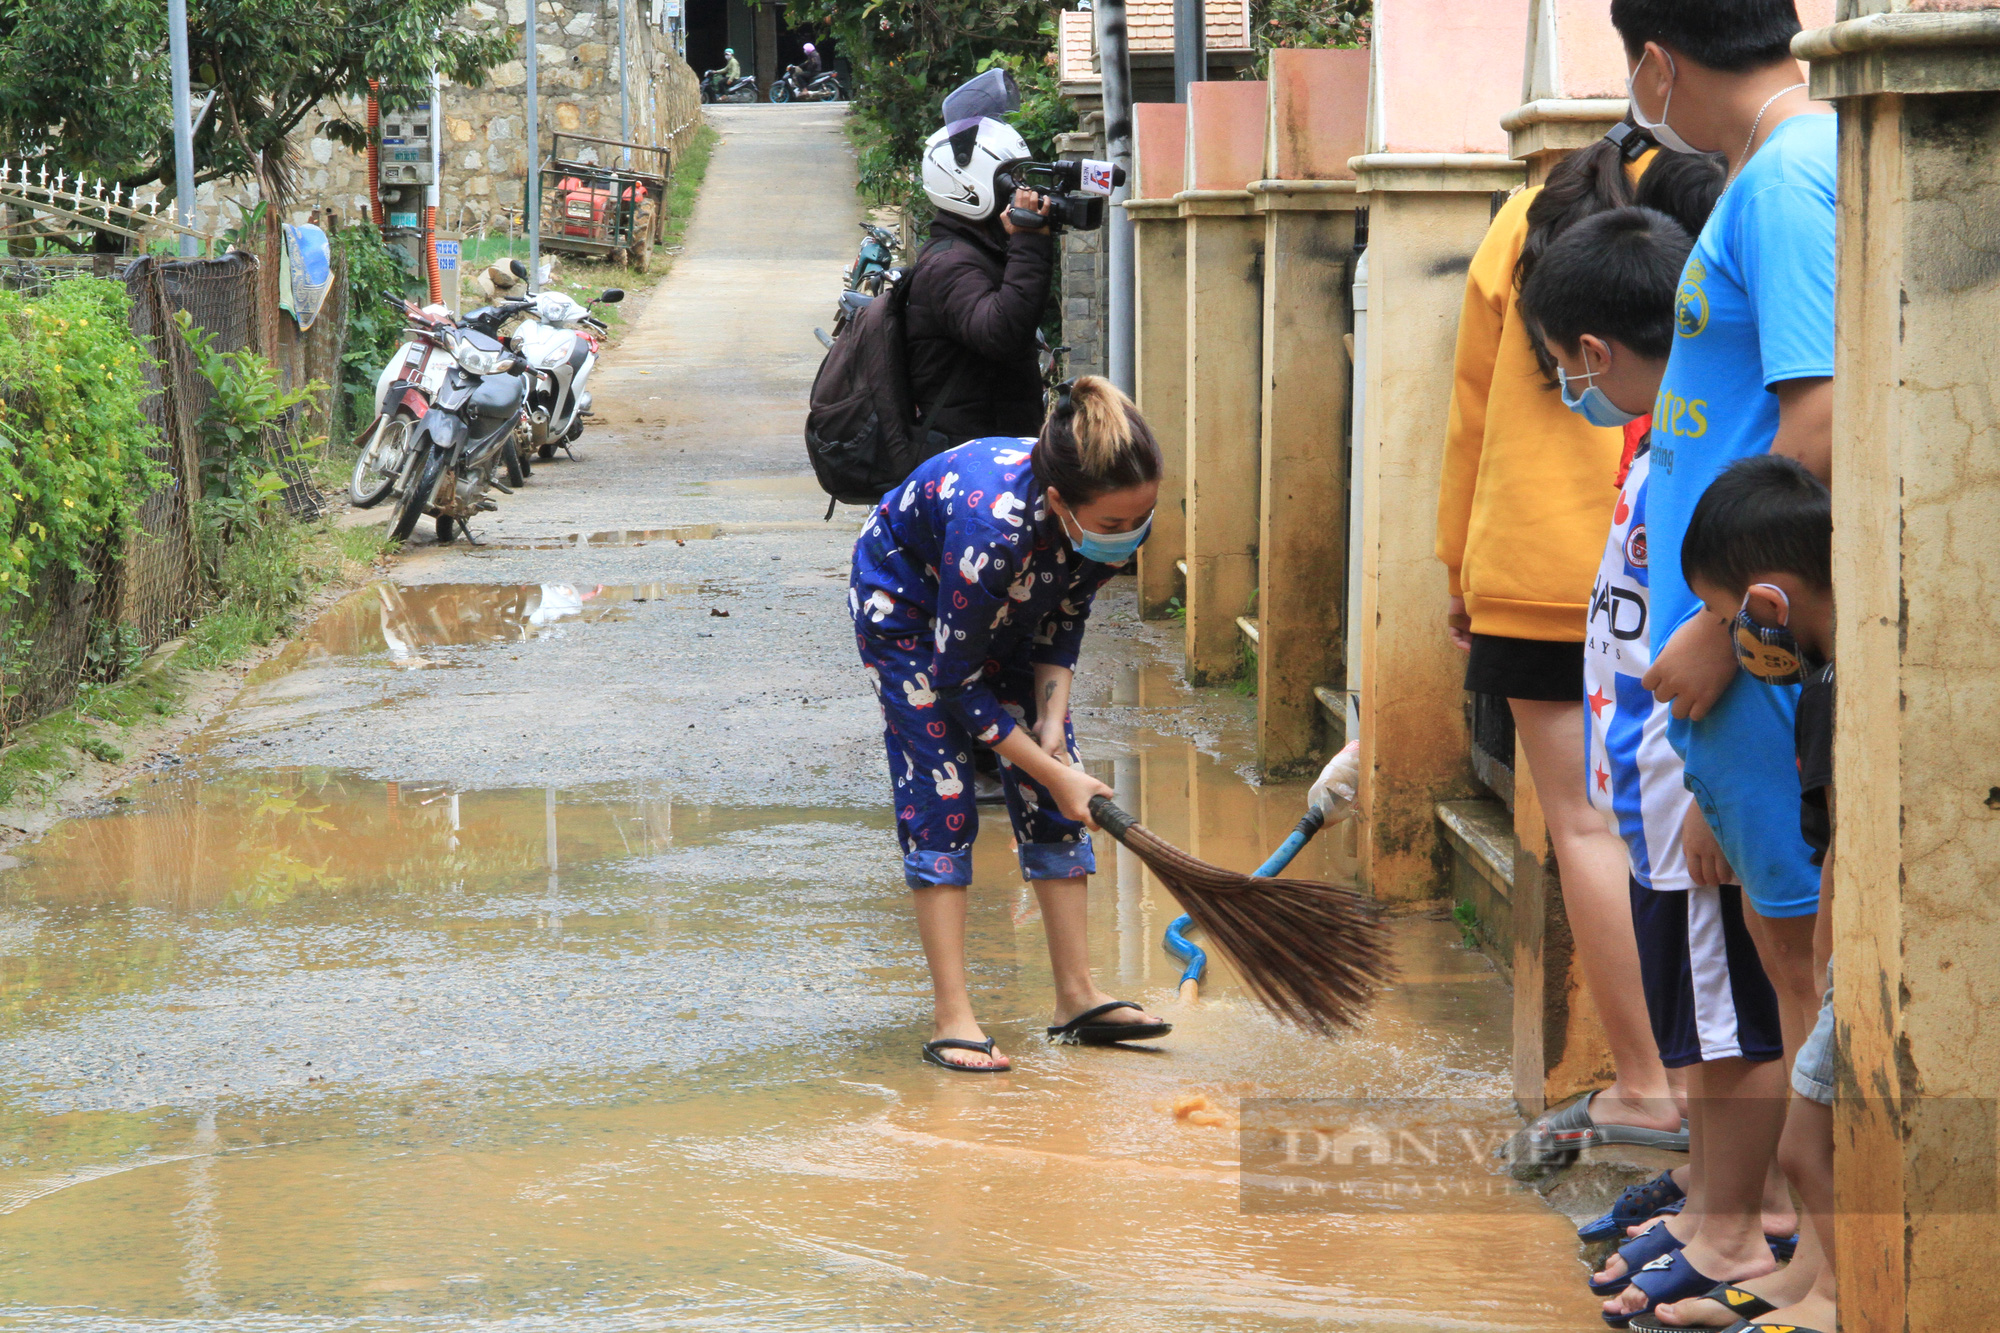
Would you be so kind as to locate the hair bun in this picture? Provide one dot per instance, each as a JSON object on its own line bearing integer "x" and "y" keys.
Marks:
{"x": 1106, "y": 425}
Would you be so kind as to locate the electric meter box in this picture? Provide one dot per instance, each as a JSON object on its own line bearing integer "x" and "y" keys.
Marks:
{"x": 406, "y": 146}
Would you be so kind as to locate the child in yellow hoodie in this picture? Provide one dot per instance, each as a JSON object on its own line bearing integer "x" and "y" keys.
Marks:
{"x": 1522, "y": 515}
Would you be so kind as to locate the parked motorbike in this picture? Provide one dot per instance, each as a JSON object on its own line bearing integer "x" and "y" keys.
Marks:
{"x": 879, "y": 248}
{"x": 458, "y": 445}
{"x": 404, "y": 392}
{"x": 871, "y": 273}
{"x": 559, "y": 339}
{"x": 716, "y": 88}
{"x": 825, "y": 87}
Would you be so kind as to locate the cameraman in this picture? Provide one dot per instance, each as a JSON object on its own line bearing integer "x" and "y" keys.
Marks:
{"x": 978, "y": 290}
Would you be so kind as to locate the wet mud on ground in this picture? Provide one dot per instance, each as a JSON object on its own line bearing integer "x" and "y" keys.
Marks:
{"x": 526, "y": 948}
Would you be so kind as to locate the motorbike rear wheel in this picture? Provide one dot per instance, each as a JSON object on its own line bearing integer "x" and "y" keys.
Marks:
{"x": 371, "y": 482}
{"x": 515, "y": 463}
{"x": 444, "y": 529}
{"x": 422, "y": 476}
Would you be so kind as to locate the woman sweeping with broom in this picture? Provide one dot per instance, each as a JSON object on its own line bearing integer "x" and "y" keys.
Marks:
{"x": 971, "y": 587}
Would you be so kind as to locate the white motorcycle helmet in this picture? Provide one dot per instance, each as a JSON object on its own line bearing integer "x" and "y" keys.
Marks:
{"x": 960, "y": 164}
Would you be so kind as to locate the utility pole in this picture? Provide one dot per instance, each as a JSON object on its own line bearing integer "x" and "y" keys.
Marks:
{"x": 624, "y": 88}
{"x": 177, "y": 52}
{"x": 1115, "y": 78}
{"x": 533, "y": 212}
{"x": 1190, "y": 46}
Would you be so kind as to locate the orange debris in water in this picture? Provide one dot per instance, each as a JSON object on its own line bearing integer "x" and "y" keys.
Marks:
{"x": 1195, "y": 1109}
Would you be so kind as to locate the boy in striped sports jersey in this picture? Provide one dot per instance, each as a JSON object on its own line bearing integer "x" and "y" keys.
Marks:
{"x": 1602, "y": 299}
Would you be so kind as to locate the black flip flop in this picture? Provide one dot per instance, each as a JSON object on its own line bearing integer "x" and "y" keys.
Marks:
{"x": 1745, "y": 1305}
{"x": 931, "y": 1056}
{"x": 1080, "y": 1031}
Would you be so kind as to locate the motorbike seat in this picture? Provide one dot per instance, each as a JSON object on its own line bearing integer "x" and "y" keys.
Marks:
{"x": 855, "y": 302}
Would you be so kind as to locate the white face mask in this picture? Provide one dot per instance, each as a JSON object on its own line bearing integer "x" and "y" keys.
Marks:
{"x": 1663, "y": 133}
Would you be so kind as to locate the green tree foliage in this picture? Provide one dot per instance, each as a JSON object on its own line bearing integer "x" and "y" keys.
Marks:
{"x": 907, "y": 54}
{"x": 84, "y": 83}
{"x": 1308, "y": 24}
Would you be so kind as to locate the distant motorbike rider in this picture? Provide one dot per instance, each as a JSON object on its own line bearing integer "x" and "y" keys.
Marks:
{"x": 720, "y": 81}
{"x": 808, "y": 69}
{"x": 978, "y": 291}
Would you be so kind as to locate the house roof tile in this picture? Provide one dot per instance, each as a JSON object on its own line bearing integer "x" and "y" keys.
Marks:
{"x": 1151, "y": 24}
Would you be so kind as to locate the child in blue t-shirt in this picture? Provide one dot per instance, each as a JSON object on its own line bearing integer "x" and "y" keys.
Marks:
{"x": 1759, "y": 553}
{"x": 1601, "y": 299}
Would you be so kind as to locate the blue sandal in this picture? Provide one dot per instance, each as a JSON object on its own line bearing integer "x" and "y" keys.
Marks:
{"x": 1634, "y": 1204}
{"x": 1637, "y": 1252}
{"x": 1745, "y": 1305}
{"x": 1667, "y": 1279}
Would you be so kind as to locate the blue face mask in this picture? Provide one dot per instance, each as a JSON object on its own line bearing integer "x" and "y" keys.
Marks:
{"x": 1107, "y": 548}
{"x": 1591, "y": 404}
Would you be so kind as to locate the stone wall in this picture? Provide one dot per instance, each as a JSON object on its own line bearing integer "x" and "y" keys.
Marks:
{"x": 485, "y": 147}
{"x": 1082, "y": 269}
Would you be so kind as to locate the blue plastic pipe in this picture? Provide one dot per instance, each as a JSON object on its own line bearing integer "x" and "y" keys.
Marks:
{"x": 1192, "y": 954}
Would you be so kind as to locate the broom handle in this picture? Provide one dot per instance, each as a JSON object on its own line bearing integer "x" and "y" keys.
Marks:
{"x": 1312, "y": 822}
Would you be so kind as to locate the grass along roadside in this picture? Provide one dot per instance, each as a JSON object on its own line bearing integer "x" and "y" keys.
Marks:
{"x": 274, "y": 580}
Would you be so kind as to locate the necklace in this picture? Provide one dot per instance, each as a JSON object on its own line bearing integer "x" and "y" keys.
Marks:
{"x": 1752, "y": 137}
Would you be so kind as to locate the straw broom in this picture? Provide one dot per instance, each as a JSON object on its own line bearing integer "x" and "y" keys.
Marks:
{"x": 1312, "y": 953}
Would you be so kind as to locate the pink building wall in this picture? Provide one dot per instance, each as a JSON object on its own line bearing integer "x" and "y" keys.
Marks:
{"x": 1445, "y": 72}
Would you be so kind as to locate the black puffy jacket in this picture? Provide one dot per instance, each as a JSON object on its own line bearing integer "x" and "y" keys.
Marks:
{"x": 975, "y": 301}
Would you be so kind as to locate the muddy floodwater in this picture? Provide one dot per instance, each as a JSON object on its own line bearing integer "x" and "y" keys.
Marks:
{"x": 525, "y": 949}
{"x": 297, "y": 1049}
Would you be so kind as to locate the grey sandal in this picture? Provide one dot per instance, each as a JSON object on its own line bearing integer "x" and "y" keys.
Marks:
{"x": 1571, "y": 1129}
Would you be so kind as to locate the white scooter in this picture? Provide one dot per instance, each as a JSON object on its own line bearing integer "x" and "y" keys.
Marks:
{"x": 559, "y": 339}
{"x": 404, "y": 392}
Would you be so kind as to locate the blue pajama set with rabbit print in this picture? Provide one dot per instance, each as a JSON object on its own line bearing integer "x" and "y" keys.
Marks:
{"x": 963, "y": 583}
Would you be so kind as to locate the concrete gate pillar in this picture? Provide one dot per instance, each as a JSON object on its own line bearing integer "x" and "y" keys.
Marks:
{"x": 1572, "y": 85}
{"x": 1442, "y": 75}
{"x": 1916, "y": 543}
{"x": 1159, "y": 341}
{"x": 1225, "y": 152}
{"x": 1317, "y": 122}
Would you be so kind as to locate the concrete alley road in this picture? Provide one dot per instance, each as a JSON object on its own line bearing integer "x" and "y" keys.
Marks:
{"x": 526, "y": 948}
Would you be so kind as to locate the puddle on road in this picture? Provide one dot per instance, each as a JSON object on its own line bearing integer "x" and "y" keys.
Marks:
{"x": 401, "y": 621}
{"x": 693, "y": 532}
{"x": 290, "y": 1048}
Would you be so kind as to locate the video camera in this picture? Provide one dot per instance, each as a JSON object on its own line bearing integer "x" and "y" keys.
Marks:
{"x": 1075, "y": 189}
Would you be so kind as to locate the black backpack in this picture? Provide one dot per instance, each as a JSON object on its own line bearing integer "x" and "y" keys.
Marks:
{"x": 862, "y": 434}
{"x": 861, "y": 428}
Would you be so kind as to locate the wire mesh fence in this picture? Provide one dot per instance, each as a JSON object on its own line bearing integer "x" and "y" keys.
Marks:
{"x": 81, "y": 628}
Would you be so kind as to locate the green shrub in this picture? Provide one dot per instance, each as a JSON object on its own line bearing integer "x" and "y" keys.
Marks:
{"x": 374, "y": 331}
{"x": 74, "y": 466}
{"x": 253, "y": 551}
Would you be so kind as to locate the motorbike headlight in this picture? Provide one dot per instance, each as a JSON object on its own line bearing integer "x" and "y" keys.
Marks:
{"x": 479, "y": 361}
